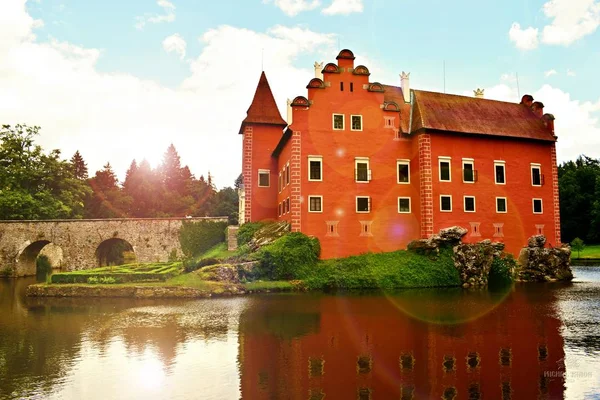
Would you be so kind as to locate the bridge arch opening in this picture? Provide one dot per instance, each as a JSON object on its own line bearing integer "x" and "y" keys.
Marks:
{"x": 26, "y": 265}
{"x": 115, "y": 251}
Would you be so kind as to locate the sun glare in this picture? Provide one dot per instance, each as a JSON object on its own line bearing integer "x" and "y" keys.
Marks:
{"x": 151, "y": 374}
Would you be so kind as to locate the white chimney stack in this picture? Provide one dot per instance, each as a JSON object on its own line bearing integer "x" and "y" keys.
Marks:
{"x": 318, "y": 69}
{"x": 405, "y": 79}
{"x": 289, "y": 111}
{"x": 479, "y": 93}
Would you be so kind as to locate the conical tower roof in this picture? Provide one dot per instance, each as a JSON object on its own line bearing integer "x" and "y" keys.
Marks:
{"x": 263, "y": 109}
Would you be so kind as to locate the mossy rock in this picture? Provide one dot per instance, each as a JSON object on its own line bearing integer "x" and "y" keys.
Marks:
{"x": 220, "y": 273}
{"x": 268, "y": 234}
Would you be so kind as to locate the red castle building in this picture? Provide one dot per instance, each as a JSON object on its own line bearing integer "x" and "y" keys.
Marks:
{"x": 365, "y": 166}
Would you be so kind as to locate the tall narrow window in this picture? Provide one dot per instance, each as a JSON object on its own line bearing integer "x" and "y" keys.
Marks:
{"x": 263, "y": 177}
{"x": 468, "y": 170}
{"x": 287, "y": 174}
{"x": 363, "y": 204}
{"x": 351, "y": 87}
{"x": 403, "y": 171}
{"x": 469, "y": 203}
{"x": 279, "y": 209}
{"x": 356, "y": 122}
{"x": 315, "y": 168}
{"x": 279, "y": 183}
{"x": 315, "y": 204}
{"x": 537, "y": 206}
{"x": 444, "y": 164}
{"x": 342, "y": 86}
{"x": 332, "y": 228}
{"x": 366, "y": 228}
{"x": 362, "y": 173}
{"x": 338, "y": 122}
{"x": 500, "y": 172}
{"x": 404, "y": 205}
{"x": 536, "y": 175}
{"x": 445, "y": 203}
{"x": 501, "y": 205}
{"x": 499, "y": 229}
{"x": 287, "y": 204}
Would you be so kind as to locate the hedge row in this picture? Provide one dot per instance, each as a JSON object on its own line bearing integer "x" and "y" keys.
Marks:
{"x": 197, "y": 237}
{"x": 119, "y": 278}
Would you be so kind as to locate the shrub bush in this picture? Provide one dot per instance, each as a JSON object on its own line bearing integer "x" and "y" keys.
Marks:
{"x": 247, "y": 230}
{"x": 192, "y": 265}
{"x": 282, "y": 258}
{"x": 502, "y": 271}
{"x": 43, "y": 268}
{"x": 197, "y": 237}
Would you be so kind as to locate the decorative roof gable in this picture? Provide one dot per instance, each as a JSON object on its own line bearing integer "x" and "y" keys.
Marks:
{"x": 263, "y": 109}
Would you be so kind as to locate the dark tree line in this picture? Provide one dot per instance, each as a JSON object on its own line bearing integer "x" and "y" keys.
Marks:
{"x": 34, "y": 185}
{"x": 579, "y": 183}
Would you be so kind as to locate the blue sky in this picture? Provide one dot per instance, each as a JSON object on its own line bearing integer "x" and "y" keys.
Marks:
{"x": 119, "y": 80}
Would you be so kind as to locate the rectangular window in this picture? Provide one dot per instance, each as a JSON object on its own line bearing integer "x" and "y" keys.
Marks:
{"x": 341, "y": 86}
{"x": 362, "y": 173}
{"x": 500, "y": 172}
{"x": 444, "y": 163}
{"x": 315, "y": 168}
{"x": 338, "y": 122}
{"x": 403, "y": 171}
{"x": 501, "y": 206}
{"x": 445, "y": 203}
{"x": 279, "y": 183}
{"x": 537, "y": 206}
{"x": 469, "y": 203}
{"x": 468, "y": 170}
{"x": 287, "y": 174}
{"x": 363, "y": 204}
{"x": 263, "y": 177}
{"x": 404, "y": 205}
{"x": 351, "y": 87}
{"x": 287, "y": 205}
{"x": 356, "y": 122}
{"x": 536, "y": 175}
{"x": 315, "y": 203}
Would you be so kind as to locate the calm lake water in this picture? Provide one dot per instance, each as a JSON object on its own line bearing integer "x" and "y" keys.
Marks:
{"x": 534, "y": 341}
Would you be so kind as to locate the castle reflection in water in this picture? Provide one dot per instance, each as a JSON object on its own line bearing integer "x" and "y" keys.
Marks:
{"x": 407, "y": 346}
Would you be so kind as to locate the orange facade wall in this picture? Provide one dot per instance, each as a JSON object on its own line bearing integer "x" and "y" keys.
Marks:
{"x": 259, "y": 143}
{"x": 390, "y": 230}
{"x": 519, "y": 222}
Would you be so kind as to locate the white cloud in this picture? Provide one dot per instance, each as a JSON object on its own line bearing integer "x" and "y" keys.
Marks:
{"x": 572, "y": 20}
{"x": 117, "y": 116}
{"x": 525, "y": 39}
{"x": 508, "y": 77}
{"x": 294, "y": 7}
{"x": 549, "y": 73}
{"x": 344, "y": 7}
{"x": 571, "y": 73}
{"x": 168, "y": 16}
{"x": 175, "y": 44}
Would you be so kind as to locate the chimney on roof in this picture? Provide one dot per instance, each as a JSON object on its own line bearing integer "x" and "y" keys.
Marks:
{"x": 318, "y": 70}
{"x": 549, "y": 122}
{"x": 479, "y": 93}
{"x": 405, "y": 79}
{"x": 527, "y": 100}
{"x": 289, "y": 112}
{"x": 538, "y": 109}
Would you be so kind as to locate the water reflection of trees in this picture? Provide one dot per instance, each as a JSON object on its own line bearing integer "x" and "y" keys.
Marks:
{"x": 41, "y": 339}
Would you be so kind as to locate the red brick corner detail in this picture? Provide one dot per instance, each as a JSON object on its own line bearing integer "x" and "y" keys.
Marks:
{"x": 426, "y": 185}
{"x": 295, "y": 178}
{"x": 555, "y": 195}
{"x": 247, "y": 172}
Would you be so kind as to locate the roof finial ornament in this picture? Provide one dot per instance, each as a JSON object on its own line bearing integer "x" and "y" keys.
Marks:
{"x": 479, "y": 93}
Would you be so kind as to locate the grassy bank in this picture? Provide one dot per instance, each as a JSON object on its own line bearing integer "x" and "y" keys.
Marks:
{"x": 590, "y": 251}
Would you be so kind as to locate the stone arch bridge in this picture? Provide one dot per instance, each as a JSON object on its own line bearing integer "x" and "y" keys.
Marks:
{"x": 77, "y": 244}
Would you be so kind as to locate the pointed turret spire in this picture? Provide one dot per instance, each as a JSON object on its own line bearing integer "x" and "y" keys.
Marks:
{"x": 263, "y": 109}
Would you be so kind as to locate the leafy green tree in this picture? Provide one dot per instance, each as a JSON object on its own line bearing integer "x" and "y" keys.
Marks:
{"x": 35, "y": 185}
{"x": 578, "y": 245}
{"x": 107, "y": 200}
{"x": 225, "y": 203}
{"x": 80, "y": 169}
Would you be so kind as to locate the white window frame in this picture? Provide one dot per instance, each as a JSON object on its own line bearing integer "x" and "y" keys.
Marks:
{"x": 505, "y": 205}
{"x": 315, "y": 196}
{"x": 356, "y": 204}
{"x": 402, "y": 162}
{"x": 264, "y": 171}
{"x": 539, "y": 168}
{"x": 361, "y": 123}
{"x": 288, "y": 172}
{"x": 541, "y": 206}
{"x": 465, "y": 204}
{"x": 279, "y": 183}
{"x": 333, "y": 122}
{"x": 320, "y": 160}
{"x": 445, "y": 195}
{"x": 471, "y": 162}
{"x": 362, "y": 160}
{"x": 288, "y": 206}
{"x": 503, "y": 164}
{"x": 409, "y": 205}
{"x": 447, "y": 159}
